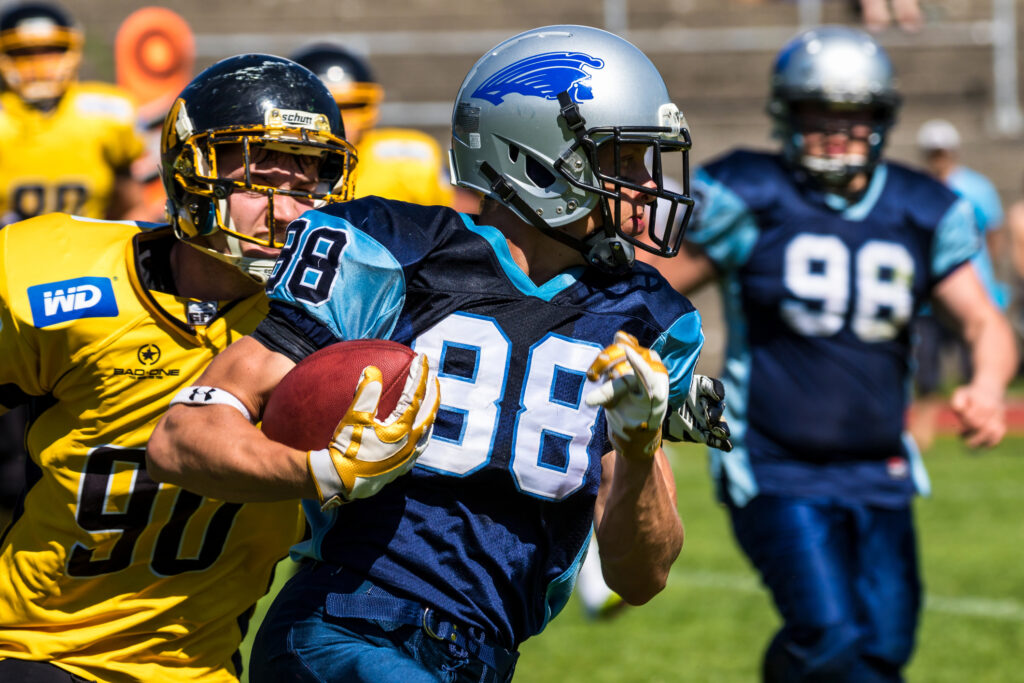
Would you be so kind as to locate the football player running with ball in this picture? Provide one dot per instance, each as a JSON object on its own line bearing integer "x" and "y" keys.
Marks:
{"x": 824, "y": 252}
{"x": 105, "y": 574}
{"x": 558, "y": 361}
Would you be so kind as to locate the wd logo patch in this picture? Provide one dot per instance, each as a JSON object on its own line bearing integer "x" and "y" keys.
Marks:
{"x": 84, "y": 297}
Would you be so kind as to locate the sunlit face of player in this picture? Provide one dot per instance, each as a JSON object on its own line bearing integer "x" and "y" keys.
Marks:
{"x": 635, "y": 206}
{"x": 249, "y": 211}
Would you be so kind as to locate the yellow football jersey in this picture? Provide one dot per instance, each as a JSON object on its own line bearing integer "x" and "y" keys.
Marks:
{"x": 105, "y": 572}
{"x": 65, "y": 159}
{"x": 402, "y": 164}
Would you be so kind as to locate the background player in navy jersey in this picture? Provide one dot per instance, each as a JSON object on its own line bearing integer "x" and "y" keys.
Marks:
{"x": 823, "y": 253}
{"x": 535, "y": 318}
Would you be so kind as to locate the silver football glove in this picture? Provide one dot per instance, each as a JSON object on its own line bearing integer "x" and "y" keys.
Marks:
{"x": 699, "y": 419}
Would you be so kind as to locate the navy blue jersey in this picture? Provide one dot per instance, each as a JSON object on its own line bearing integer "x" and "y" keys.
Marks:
{"x": 492, "y": 523}
{"x": 818, "y": 295}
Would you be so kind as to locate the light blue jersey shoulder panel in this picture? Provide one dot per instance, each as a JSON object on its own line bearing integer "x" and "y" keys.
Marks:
{"x": 679, "y": 347}
{"x": 340, "y": 276}
{"x": 956, "y": 238}
{"x": 723, "y": 224}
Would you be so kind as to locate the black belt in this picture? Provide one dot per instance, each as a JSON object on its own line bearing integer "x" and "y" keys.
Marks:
{"x": 411, "y": 613}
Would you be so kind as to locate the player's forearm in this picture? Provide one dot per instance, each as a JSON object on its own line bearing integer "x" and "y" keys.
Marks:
{"x": 214, "y": 451}
{"x": 993, "y": 352}
{"x": 639, "y": 533}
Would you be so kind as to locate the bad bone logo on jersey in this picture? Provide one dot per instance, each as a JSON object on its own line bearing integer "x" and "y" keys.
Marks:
{"x": 83, "y": 297}
{"x": 148, "y": 354}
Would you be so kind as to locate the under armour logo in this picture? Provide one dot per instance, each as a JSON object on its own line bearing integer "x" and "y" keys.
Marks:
{"x": 206, "y": 393}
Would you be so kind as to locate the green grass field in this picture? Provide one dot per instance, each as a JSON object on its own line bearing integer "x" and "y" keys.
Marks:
{"x": 712, "y": 621}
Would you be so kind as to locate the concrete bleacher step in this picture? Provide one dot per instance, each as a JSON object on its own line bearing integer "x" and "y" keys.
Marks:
{"x": 715, "y": 55}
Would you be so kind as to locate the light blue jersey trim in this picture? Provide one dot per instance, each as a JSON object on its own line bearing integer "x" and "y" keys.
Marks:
{"x": 736, "y": 378}
{"x": 679, "y": 347}
{"x": 956, "y": 239}
{"x": 918, "y": 473}
{"x": 724, "y": 226}
{"x": 521, "y": 280}
{"x": 320, "y": 523}
{"x": 860, "y": 210}
{"x": 559, "y": 590}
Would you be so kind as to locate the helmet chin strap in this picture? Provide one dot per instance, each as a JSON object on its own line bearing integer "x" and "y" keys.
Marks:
{"x": 602, "y": 249}
{"x": 259, "y": 269}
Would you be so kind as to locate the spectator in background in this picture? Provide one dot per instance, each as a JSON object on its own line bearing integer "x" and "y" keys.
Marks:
{"x": 878, "y": 14}
{"x": 67, "y": 146}
{"x": 394, "y": 163}
{"x": 939, "y": 144}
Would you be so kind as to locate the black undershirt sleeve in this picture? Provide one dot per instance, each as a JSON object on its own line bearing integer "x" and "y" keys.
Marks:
{"x": 282, "y": 331}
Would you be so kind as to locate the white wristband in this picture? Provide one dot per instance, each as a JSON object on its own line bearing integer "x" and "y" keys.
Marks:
{"x": 203, "y": 396}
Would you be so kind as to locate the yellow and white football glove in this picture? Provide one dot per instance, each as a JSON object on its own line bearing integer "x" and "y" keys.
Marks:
{"x": 634, "y": 394}
{"x": 366, "y": 453}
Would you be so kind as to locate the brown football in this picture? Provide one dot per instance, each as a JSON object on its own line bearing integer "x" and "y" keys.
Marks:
{"x": 306, "y": 407}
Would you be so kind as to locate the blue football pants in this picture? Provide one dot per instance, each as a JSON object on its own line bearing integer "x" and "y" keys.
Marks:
{"x": 300, "y": 641}
{"x": 844, "y": 577}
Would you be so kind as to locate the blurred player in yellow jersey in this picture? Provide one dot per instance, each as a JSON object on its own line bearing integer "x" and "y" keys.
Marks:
{"x": 65, "y": 145}
{"x": 395, "y": 163}
{"x": 106, "y": 575}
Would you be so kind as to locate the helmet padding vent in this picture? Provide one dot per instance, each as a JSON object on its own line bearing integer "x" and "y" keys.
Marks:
{"x": 541, "y": 177}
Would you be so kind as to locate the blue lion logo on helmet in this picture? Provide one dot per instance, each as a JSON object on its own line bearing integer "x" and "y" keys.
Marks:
{"x": 544, "y": 76}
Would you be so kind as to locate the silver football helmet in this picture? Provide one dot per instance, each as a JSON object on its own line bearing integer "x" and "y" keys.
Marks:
{"x": 531, "y": 116}
{"x": 840, "y": 70}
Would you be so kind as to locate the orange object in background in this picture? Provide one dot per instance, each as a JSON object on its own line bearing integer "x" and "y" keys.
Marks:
{"x": 154, "y": 54}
